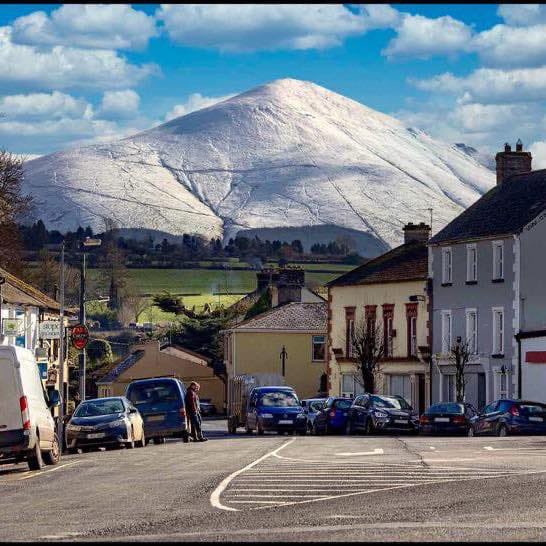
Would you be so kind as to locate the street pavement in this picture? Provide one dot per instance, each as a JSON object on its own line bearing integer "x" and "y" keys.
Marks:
{"x": 285, "y": 488}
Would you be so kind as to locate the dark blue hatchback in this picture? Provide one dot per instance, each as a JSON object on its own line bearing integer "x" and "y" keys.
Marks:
{"x": 504, "y": 417}
{"x": 447, "y": 418}
{"x": 332, "y": 417}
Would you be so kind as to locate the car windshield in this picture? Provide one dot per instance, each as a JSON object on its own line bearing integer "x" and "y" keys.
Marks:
{"x": 99, "y": 407}
{"x": 146, "y": 393}
{"x": 456, "y": 409}
{"x": 279, "y": 399}
{"x": 316, "y": 405}
{"x": 343, "y": 404}
{"x": 387, "y": 402}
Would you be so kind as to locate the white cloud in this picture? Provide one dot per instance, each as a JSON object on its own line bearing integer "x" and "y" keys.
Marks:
{"x": 419, "y": 36}
{"x": 538, "y": 151}
{"x": 64, "y": 67}
{"x": 95, "y": 26}
{"x": 523, "y": 14}
{"x": 248, "y": 27}
{"x": 195, "y": 101}
{"x": 49, "y": 106}
{"x": 119, "y": 104}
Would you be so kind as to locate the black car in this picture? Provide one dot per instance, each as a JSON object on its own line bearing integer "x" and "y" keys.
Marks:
{"x": 371, "y": 413}
{"x": 105, "y": 422}
{"x": 206, "y": 407}
{"x": 447, "y": 418}
{"x": 504, "y": 417}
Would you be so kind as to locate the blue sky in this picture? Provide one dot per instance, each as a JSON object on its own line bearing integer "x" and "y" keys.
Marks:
{"x": 76, "y": 74}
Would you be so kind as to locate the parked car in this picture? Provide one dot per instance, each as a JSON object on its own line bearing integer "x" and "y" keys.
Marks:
{"x": 371, "y": 413}
{"x": 504, "y": 417}
{"x": 27, "y": 428}
{"x": 275, "y": 408}
{"x": 311, "y": 406}
{"x": 160, "y": 400}
{"x": 207, "y": 407}
{"x": 332, "y": 416}
{"x": 105, "y": 422}
{"x": 447, "y": 418}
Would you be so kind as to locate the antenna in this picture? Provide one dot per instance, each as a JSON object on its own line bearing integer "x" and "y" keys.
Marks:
{"x": 430, "y": 209}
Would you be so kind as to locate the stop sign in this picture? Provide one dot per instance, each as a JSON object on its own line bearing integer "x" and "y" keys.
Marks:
{"x": 80, "y": 336}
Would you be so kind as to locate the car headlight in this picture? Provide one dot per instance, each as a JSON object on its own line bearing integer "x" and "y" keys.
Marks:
{"x": 300, "y": 416}
{"x": 117, "y": 423}
{"x": 74, "y": 428}
{"x": 267, "y": 415}
{"x": 381, "y": 414}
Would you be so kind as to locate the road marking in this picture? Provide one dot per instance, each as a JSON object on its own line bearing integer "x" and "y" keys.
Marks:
{"x": 215, "y": 496}
{"x": 35, "y": 475}
{"x": 376, "y": 451}
{"x": 432, "y": 447}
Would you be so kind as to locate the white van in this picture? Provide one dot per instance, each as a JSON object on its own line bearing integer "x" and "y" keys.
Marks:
{"x": 27, "y": 429}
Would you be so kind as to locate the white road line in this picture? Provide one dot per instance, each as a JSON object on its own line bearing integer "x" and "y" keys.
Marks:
{"x": 432, "y": 447}
{"x": 278, "y": 496}
{"x": 376, "y": 451}
{"x": 215, "y": 496}
{"x": 46, "y": 471}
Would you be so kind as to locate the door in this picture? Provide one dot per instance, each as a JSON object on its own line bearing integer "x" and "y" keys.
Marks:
{"x": 488, "y": 420}
{"x": 320, "y": 419}
{"x": 481, "y": 391}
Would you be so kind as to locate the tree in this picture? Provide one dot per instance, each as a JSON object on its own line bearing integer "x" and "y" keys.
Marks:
{"x": 113, "y": 264}
{"x": 169, "y": 303}
{"x": 368, "y": 346}
{"x": 132, "y": 306}
{"x": 460, "y": 354}
{"x": 13, "y": 206}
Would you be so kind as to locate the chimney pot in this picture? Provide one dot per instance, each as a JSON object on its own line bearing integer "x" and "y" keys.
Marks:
{"x": 511, "y": 163}
{"x": 507, "y": 147}
{"x": 419, "y": 232}
{"x": 519, "y": 145}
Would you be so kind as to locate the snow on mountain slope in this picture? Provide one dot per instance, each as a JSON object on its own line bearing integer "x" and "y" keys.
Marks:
{"x": 286, "y": 154}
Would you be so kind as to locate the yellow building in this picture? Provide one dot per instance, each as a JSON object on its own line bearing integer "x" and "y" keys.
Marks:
{"x": 390, "y": 293}
{"x": 151, "y": 360}
{"x": 294, "y": 332}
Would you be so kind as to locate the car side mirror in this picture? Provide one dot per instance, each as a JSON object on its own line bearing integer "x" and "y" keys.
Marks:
{"x": 54, "y": 398}
{"x": 133, "y": 410}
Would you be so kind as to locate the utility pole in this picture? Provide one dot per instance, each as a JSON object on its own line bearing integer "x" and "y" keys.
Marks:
{"x": 62, "y": 407}
{"x": 284, "y": 356}
{"x": 2, "y": 281}
{"x": 430, "y": 209}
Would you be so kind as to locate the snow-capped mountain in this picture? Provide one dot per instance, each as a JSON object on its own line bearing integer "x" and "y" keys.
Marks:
{"x": 276, "y": 159}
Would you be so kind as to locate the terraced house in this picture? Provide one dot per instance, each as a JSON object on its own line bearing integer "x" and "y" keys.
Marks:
{"x": 487, "y": 268}
{"x": 389, "y": 291}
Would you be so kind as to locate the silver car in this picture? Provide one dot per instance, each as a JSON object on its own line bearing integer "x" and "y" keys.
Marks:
{"x": 311, "y": 406}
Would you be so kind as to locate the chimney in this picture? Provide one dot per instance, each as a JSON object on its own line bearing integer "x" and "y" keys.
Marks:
{"x": 510, "y": 163}
{"x": 290, "y": 282}
{"x": 265, "y": 277}
{"x": 416, "y": 232}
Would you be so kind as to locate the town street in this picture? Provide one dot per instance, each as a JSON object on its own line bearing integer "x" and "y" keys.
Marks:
{"x": 285, "y": 488}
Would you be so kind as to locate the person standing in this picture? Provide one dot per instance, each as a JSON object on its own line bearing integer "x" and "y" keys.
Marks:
{"x": 194, "y": 413}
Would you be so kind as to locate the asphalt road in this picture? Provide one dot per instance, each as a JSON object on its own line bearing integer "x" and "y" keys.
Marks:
{"x": 281, "y": 488}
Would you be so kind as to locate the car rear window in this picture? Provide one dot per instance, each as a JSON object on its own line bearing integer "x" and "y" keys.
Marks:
{"x": 529, "y": 408}
{"x": 146, "y": 393}
{"x": 343, "y": 404}
{"x": 456, "y": 409}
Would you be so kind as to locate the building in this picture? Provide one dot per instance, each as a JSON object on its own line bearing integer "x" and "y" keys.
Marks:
{"x": 487, "y": 271}
{"x": 388, "y": 293}
{"x": 150, "y": 359}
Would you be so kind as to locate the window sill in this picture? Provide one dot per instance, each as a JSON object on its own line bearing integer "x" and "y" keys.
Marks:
{"x": 497, "y": 280}
{"x": 447, "y": 284}
{"x": 497, "y": 356}
{"x": 471, "y": 282}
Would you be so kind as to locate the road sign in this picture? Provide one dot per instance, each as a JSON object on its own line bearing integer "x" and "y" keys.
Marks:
{"x": 12, "y": 327}
{"x": 50, "y": 329}
{"x": 80, "y": 336}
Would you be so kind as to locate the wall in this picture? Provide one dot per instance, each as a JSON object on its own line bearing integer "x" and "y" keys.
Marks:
{"x": 533, "y": 375}
{"x": 259, "y": 352}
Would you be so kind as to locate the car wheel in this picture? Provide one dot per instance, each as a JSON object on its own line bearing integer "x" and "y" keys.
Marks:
{"x": 260, "y": 429}
{"x": 54, "y": 456}
{"x": 471, "y": 432}
{"x": 309, "y": 428}
{"x": 35, "y": 461}
{"x": 72, "y": 450}
{"x": 142, "y": 442}
{"x": 502, "y": 430}
{"x": 248, "y": 430}
{"x": 369, "y": 428}
{"x": 131, "y": 443}
{"x": 232, "y": 427}
{"x": 349, "y": 427}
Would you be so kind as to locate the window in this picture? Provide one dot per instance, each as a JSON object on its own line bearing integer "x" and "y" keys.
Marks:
{"x": 446, "y": 266}
{"x": 411, "y": 317}
{"x": 349, "y": 330}
{"x": 400, "y": 385}
{"x": 319, "y": 348}
{"x": 446, "y": 331}
{"x": 388, "y": 317}
{"x": 498, "y": 260}
{"x": 450, "y": 395}
{"x": 498, "y": 330}
{"x": 472, "y": 330}
{"x": 471, "y": 263}
{"x": 350, "y": 385}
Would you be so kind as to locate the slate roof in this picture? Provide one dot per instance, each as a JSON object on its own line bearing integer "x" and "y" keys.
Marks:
{"x": 503, "y": 210}
{"x": 291, "y": 316}
{"x": 407, "y": 262}
{"x": 16, "y": 291}
{"x": 121, "y": 367}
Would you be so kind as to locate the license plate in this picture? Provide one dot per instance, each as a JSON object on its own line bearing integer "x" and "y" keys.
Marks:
{"x": 401, "y": 421}
{"x": 345, "y": 414}
{"x": 155, "y": 418}
{"x": 536, "y": 419}
{"x": 441, "y": 419}
{"x": 286, "y": 422}
{"x": 96, "y": 435}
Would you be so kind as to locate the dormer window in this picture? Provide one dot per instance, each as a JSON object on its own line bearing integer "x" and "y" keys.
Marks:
{"x": 498, "y": 260}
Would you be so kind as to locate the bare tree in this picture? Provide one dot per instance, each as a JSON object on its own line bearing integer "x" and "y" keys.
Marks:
{"x": 460, "y": 354}
{"x": 112, "y": 264}
{"x": 132, "y": 306}
{"x": 368, "y": 347}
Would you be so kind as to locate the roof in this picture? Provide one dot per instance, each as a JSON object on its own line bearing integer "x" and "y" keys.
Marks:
{"x": 407, "y": 262}
{"x": 503, "y": 210}
{"x": 121, "y": 367}
{"x": 16, "y": 291}
{"x": 291, "y": 316}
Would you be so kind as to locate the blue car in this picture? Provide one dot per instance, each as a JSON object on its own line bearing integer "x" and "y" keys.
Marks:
{"x": 160, "y": 400}
{"x": 311, "y": 407}
{"x": 274, "y": 409}
{"x": 504, "y": 417}
{"x": 332, "y": 417}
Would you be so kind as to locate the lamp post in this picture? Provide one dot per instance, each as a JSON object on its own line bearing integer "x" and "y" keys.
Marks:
{"x": 284, "y": 356}
{"x": 60, "y": 422}
{"x": 88, "y": 242}
{"x": 2, "y": 281}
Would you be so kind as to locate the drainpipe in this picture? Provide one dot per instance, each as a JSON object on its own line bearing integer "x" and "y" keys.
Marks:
{"x": 519, "y": 366}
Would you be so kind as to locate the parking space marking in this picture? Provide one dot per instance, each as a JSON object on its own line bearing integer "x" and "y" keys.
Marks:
{"x": 36, "y": 474}
{"x": 376, "y": 451}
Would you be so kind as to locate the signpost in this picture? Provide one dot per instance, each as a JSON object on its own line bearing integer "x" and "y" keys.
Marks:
{"x": 50, "y": 329}
{"x": 80, "y": 336}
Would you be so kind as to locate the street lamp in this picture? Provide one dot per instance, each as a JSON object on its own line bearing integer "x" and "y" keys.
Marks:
{"x": 88, "y": 242}
{"x": 284, "y": 356}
